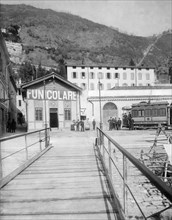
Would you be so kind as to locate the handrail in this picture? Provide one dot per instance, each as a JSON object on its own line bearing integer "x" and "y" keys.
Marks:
{"x": 163, "y": 188}
{"x": 42, "y": 137}
{"x": 103, "y": 151}
{"x": 20, "y": 135}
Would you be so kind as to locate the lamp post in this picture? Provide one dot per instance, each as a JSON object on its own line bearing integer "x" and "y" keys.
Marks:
{"x": 100, "y": 106}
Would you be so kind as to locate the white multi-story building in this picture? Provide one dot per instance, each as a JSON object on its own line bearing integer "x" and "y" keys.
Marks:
{"x": 88, "y": 77}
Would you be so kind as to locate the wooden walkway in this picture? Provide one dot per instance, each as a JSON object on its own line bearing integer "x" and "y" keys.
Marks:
{"x": 66, "y": 183}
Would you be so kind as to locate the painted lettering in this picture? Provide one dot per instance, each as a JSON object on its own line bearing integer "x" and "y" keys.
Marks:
{"x": 51, "y": 94}
{"x": 65, "y": 96}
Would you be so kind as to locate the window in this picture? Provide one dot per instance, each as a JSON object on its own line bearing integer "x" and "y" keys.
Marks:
{"x": 91, "y": 67}
{"x": 100, "y": 75}
{"x": 132, "y": 76}
{"x": 19, "y": 102}
{"x": 38, "y": 114}
{"x": 108, "y": 75}
{"x": 147, "y": 76}
{"x": 162, "y": 112}
{"x": 83, "y": 67}
{"x": 134, "y": 113}
{"x": 141, "y": 113}
{"x": 74, "y": 67}
{"x": 139, "y": 76}
{"x": 108, "y": 68}
{"x": 124, "y": 75}
{"x": 92, "y": 75}
{"x": 83, "y": 86}
{"x": 116, "y": 75}
{"x": 99, "y": 67}
{"x": 148, "y": 112}
{"x": 74, "y": 75}
{"x": 67, "y": 114}
{"x": 83, "y": 75}
{"x": 154, "y": 112}
{"x": 91, "y": 86}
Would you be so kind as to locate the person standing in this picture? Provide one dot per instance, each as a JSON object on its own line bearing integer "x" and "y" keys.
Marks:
{"x": 110, "y": 123}
{"x": 119, "y": 124}
{"x": 82, "y": 125}
{"x": 94, "y": 124}
{"x": 13, "y": 126}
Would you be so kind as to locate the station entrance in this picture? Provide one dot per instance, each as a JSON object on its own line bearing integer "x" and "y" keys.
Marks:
{"x": 54, "y": 118}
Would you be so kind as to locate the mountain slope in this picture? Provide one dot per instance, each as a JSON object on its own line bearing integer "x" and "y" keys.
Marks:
{"x": 46, "y": 35}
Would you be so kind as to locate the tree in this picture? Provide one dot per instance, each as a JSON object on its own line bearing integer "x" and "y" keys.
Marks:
{"x": 62, "y": 68}
{"x": 170, "y": 68}
{"x": 26, "y": 72}
{"x": 40, "y": 71}
{"x": 131, "y": 63}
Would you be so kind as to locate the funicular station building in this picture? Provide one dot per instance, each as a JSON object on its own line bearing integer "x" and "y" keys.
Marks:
{"x": 51, "y": 101}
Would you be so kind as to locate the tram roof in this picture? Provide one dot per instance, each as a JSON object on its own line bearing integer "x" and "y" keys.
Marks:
{"x": 150, "y": 103}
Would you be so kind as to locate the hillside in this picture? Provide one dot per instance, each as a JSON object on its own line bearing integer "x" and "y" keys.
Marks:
{"x": 47, "y": 35}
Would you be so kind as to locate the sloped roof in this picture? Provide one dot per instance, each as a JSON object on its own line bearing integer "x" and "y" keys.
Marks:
{"x": 51, "y": 75}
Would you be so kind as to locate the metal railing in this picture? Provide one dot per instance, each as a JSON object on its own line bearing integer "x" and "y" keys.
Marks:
{"x": 18, "y": 150}
{"x": 127, "y": 176}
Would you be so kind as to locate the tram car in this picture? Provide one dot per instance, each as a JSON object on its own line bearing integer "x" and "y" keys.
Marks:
{"x": 150, "y": 114}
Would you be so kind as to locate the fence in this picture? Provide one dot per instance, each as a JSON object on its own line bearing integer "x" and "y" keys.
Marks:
{"x": 19, "y": 151}
{"x": 130, "y": 181}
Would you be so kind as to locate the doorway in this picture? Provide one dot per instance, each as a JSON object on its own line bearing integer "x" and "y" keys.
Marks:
{"x": 109, "y": 110}
{"x": 54, "y": 118}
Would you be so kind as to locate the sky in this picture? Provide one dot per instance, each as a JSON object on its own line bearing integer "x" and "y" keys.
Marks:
{"x": 138, "y": 17}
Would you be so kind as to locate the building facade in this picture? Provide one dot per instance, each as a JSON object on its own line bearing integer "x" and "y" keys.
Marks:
{"x": 88, "y": 77}
{"x": 111, "y": 103}
{"x": 51, "y": 101}
{"x": 7, "y": 88}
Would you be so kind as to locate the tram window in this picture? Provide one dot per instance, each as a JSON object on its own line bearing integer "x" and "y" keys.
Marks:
{"x": 148, "y": 112}
{"x": 154, "y": 112}
{"x": 162, "y": 112}
{"x": 139, "y": 113}
{"x": 134, "y": 113}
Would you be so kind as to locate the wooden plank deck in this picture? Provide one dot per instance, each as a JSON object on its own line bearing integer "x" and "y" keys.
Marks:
{"x": 66, "y": 183}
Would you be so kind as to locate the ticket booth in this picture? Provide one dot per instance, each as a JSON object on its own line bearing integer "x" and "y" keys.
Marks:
{"x": 51, "y": 101}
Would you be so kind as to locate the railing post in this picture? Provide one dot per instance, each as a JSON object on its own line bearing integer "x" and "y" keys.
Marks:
{"x": 45, "y": 136}
{"x": 103, "y": 147}
{"x": 26, "y": 147}
{"x": 1, "y": 171}
{"x": 124, "y": 184}
{"x": 40, "y": 141}
{"x": 110, "y": 164}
